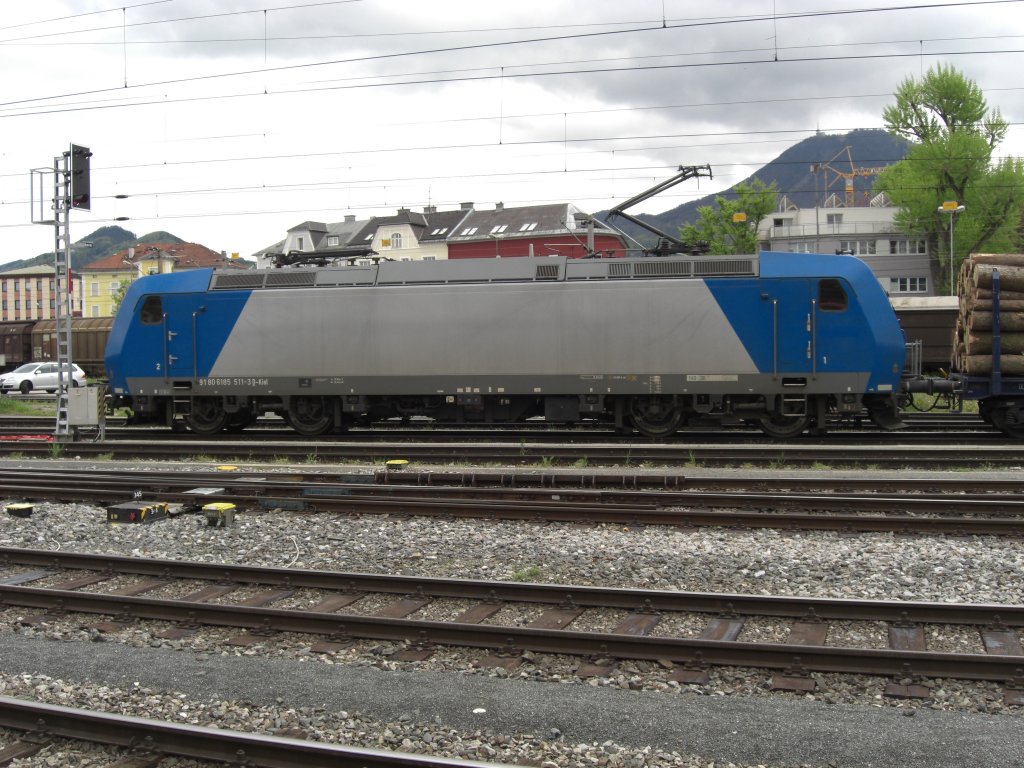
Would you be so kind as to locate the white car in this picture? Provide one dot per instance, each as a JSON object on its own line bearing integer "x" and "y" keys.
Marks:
{"x": 38, "y": 376}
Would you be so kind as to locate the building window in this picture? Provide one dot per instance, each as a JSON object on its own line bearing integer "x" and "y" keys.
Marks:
{"x": 39, "y": 284}
{"x": 858, "y": 247}
{"x": 498, "y": 228}
{"x": 95, "y": 289}
{"x": 17, "y": 286}
{"x": 833, "y": 218}
{"x": 51, "y": 286}
{"x": 528, "y": 227}
{"x": 396, "y": 240}
{"x": 369, "y": 236}
{"x": 333, "y": 241}
{"x": 95, "y": 310}
{"x": 439, "y": 231}
{"x": 908, "y": 247}
{"x": 908, "y": 285}
{"x": 17, "y": 303}
{"x": 113, "y": 288}
{"x": 429, "y": 258}
{"x": 469, "y": 231}
{"x": 300, "y": 243}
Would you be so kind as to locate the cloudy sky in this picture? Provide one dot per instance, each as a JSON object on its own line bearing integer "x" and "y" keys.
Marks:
{"x": 226, "y": 123}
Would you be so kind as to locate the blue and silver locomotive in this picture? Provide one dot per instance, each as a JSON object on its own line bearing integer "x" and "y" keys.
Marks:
{"x": 787, "y": 342}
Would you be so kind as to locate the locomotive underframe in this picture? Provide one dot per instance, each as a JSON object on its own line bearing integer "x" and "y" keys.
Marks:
{"x": 655, "y": 406}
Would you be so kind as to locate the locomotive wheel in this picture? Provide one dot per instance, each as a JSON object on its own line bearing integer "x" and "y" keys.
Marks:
{"x": 207, "y": 416}
{"x": 238, "y": 421}
{"x": 783, "y": 427}
{"x": 1009, "y": 421}
{"x": 655, "y": 416}
{"x": 310, "y": 415}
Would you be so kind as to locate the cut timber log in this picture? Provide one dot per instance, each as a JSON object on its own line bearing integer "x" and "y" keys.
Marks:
{"x": 981, "y": 343}
{"x": 982, "y": 321}
{"x": 985, "y": 294}
{"x": 981, "y": 365}
{"x": 1007, "y": 259}
{"x": 1010, "y": 278}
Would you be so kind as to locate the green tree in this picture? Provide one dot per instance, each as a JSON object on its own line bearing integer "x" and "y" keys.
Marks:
{"x": 722, "y": 229}
{"x": 118, "y": 296}
{"x": 953, "y": 135}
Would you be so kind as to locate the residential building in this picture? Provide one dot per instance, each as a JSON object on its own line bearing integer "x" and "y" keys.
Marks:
{"x": 29, "y": 293}
{"x": 900, "y": 262}
{"x": 411, "y": 236}
{"x": 102, "y": 280}
{"x": 536, "y": 230}
{"x": 559, "y": 229}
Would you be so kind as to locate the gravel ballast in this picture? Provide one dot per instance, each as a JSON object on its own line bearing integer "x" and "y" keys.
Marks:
{"x": 684, "y": 721}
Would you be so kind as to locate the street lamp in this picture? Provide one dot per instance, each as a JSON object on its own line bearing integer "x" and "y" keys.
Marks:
{"x": 952, "y": 208}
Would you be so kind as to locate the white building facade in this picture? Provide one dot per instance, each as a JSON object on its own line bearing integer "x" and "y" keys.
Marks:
{"x": 901, "y": 262}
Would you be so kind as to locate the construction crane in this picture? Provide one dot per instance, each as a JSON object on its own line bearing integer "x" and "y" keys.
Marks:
{"x": 846, "y": 176}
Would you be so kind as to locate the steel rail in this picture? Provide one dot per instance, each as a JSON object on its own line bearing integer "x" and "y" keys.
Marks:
{"x": 203, "y": 743}
{"x": 677, "y": 454}
{"x": 586, "y": 513}
{"x": 550, "y": 594}
{"x": 546, "y": 481}
{"x": 743, "y": 510}
{"x": 514, "y": 639}
{"x": 54, "y": 482}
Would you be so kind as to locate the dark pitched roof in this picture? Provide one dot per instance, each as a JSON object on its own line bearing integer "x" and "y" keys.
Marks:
{"x": 525, "y": 221}
{"x": 442, "y": 224}
{"x": 310, "y": 226}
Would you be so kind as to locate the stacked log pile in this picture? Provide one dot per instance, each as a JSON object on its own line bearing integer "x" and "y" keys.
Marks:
{"x": 972, "y": 352}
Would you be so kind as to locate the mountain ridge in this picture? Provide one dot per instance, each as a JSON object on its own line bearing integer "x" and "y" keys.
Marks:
{"x": 791, "y": 171}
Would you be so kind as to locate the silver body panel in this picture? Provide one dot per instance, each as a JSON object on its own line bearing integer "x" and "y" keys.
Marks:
{"x": 519, "y": 331}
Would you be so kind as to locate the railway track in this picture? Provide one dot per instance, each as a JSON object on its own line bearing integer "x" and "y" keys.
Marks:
{"x": 927, "y": 512}
{"x": 922, "y": 428}
{"x": 145, "y": 743}
{"x": 879, "y": 454}
{"x": 639, "y": 623}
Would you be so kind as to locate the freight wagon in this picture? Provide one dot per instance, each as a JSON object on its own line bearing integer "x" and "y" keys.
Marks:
{"x": 36, "y": 340}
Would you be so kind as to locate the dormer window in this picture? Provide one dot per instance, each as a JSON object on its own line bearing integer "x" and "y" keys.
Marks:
{"x": 396, "y": 240}
{"x": 333, "y": 241}
{"x": 300, "y": 243}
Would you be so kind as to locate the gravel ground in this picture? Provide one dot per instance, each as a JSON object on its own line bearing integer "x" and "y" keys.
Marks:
{"x": 818, "y": 564}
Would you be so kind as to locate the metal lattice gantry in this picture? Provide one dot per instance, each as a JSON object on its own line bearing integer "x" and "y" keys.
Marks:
{"x": 70, "y": 190}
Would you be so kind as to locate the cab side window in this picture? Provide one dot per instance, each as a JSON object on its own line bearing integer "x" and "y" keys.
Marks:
{"x": 832, "y": 296}
{"x": 152, "y": 312}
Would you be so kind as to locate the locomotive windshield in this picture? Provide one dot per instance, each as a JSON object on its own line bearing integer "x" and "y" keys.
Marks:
{"x": 152, "y": 312}
{"x": 832, "y": 296}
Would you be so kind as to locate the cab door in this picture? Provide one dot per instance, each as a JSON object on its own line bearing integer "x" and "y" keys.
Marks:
{"x": 180, "y": 320}
{"x": 793, "y": 325}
